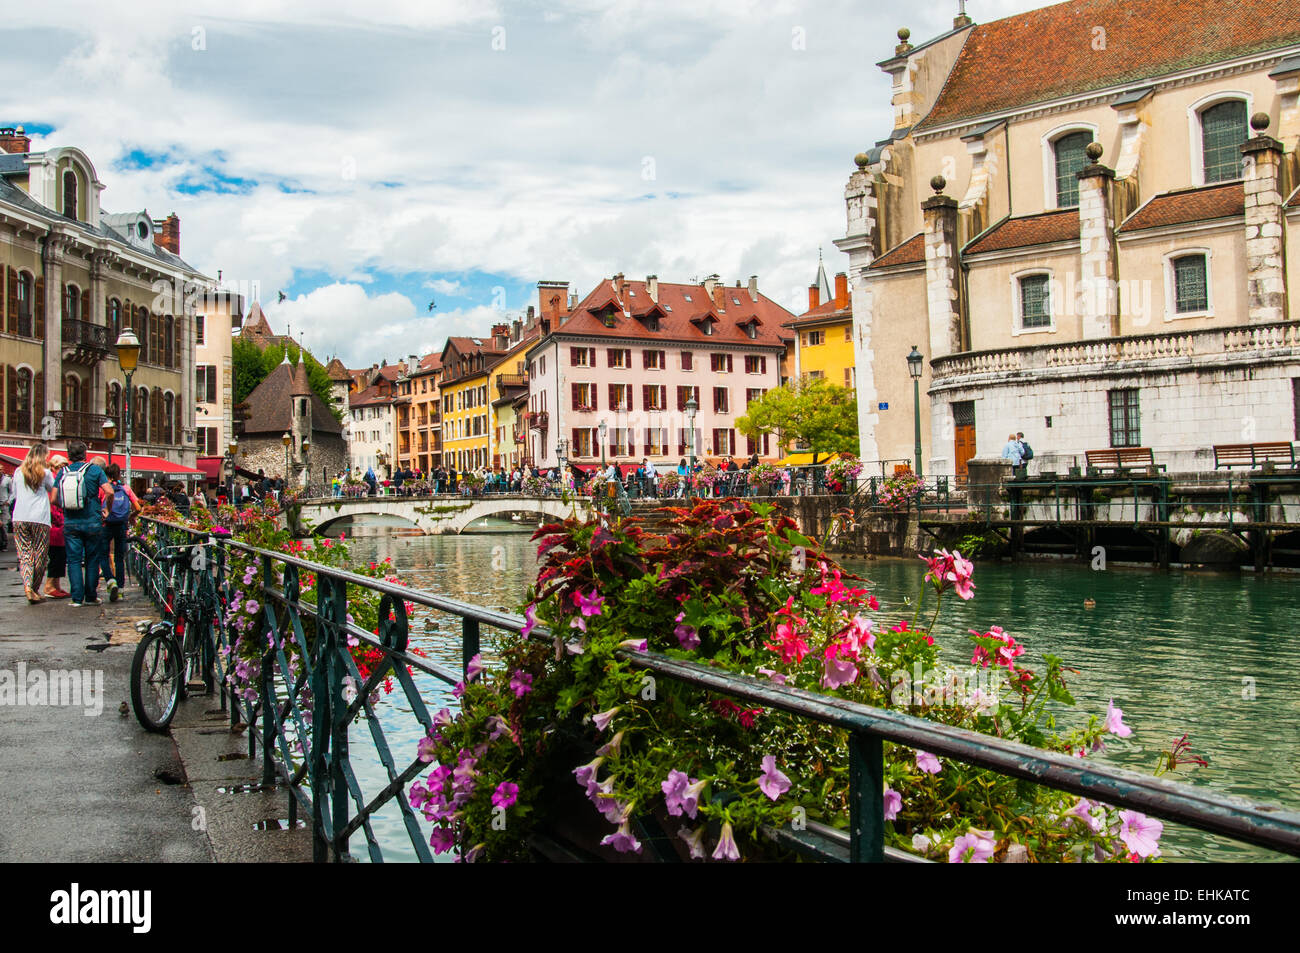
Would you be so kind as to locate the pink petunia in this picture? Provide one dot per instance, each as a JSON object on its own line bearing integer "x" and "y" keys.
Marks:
{"x": 772, "y": 782}
{"x": 1140, "y": 834}
{"x": 927, "y": 762}
{"x": 973, "y": 847}
{"x": 1115, "y": 720}
{"x": 893, "y": 803}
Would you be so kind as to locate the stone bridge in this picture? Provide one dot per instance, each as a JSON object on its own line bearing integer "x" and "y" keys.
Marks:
{"x": 431, "y": 515}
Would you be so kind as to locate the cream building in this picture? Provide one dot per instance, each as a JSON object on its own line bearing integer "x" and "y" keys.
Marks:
{"x": 1086, "y": 218}
{"x": 217, "y": 318}
{"x": 74, "y": 277}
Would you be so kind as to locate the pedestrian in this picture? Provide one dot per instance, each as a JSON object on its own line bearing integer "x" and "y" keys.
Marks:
{"x": 1011, "y": 452}
{"x": 1026, "y": 453}
{"x": 200, "y": 500}
{"x": 32, "y": 492}
{"x": 58, "y": 556}
{"x": 179, "y": 500}
{"x": 6, "y": 497}
{"x": 124, "y": 507}
{"x": 83, "y": 522}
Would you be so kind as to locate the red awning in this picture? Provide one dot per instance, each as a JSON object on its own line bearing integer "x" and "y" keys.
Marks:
{"x": 140, "y": 463}
{"x": 211, "y": 467}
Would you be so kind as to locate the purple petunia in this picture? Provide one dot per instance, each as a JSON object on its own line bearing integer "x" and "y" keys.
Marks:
{"x": 427, "y": 748}
{"x": 772, "y": 782}
{"x": 505, "y": 795}
{"x": 622, "y": 840}
{"x": 521, "y": 683}
{"x": 687, "y": 637}
{"x": 442, "y": 840}
{"x": 530, "y": 619}
{"x": 893, "y": 803}
{"x": 726, "y": 849}
{"x": 474, "y": 669}
{"x": 927, "y": 762}
{"x": 602, "y": 720}
{"x": 589, "y": 605}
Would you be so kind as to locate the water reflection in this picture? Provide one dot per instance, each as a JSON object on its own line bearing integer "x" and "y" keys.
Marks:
{"x": 1171, "y": 650}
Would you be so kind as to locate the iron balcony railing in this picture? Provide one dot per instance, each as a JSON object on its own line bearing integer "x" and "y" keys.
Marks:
{"x": 84, "y": 334}
{"x": 74, "y": 423}
{"x": 312, "y": 758}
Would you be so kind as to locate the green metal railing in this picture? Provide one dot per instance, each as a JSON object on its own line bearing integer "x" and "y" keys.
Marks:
{"x": 309, "y": 753}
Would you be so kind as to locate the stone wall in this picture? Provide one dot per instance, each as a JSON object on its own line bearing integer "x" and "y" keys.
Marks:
{"x": 267, "y": 454}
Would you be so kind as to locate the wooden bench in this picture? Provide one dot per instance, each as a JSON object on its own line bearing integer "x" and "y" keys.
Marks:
{"x": 1121, "y": 458}
{"x": 1253, "y": 454}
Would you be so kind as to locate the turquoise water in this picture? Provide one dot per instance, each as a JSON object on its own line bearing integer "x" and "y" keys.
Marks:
{"x": 1179, "y": 653}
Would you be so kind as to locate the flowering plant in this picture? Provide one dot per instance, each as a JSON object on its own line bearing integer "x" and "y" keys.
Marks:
{"x": 898, "y": 493}
{"x": 670, "y": 481}
{"x": 534, "y": 486}
{"x": 764, "y": 477}
{"x": 839, "y": 471}
{"x": 734, "y": 586}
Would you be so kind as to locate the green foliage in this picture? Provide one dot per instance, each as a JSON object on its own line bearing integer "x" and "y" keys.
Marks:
{"x": 252, "y": 365}
{"x": 813, "y": 413}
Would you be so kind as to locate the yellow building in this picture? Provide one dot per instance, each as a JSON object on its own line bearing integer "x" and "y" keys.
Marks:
{"x": 466, "y": 406}
{"x": 823, "y": 335}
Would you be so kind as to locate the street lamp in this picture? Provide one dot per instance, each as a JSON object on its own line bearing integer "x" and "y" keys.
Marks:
{"x": 603, "y": 428}
{"x": 286, "y": 440}
{"x": 914, "y": 362}
{"x": 128, "y": 354}
{"x": 232, "y": 448}
{"x": 692, "y": 406}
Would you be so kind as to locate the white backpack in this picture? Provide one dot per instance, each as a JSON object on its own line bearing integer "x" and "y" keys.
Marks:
{"x": 72, "y": 488}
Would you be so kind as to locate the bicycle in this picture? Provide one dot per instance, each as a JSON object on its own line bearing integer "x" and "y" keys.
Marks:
{"x": 175, "y": 655}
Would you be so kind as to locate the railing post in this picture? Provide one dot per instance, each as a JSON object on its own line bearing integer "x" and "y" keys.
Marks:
{"x": 268, "y": 683}
{"x": 469, "y": 644}
{"x": 866, "y": 799}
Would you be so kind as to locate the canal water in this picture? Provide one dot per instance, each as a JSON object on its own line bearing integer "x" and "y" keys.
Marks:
{"x": 1215, "y": 656}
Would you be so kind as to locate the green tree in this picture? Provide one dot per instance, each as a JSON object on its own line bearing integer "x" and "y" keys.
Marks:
{"x": 252, "y": 365}
{"x": 812, "y": 413}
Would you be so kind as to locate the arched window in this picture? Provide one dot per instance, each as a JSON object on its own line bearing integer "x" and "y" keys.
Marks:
{"x": 156, "y": 415}
{"x": 114, "y": 319}
{"x": 169, "y": 338}
{"x": 1069, "y": 160}
{"x": 71, "y": 302}
{"x": 1223, "y": 131}
{"x": 73, "y": 394}
{"x": 70, "y": 193}
{"x": 177, "y": 426}
{"x": 168, "y": 417}
{"x": 140, "y": 412}
{"x": 113, "y": 406}
{"x": 20, "y": 399}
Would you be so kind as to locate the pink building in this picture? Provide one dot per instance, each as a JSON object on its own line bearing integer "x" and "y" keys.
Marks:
{"x": 632, "y": 353}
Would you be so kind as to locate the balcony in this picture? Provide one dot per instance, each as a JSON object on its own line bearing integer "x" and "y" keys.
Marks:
{"x": 1146, "y": 352}
{"x": 538, "y": 419}
{"x": 85, "y": 343}
{"x": 73, "y": 423}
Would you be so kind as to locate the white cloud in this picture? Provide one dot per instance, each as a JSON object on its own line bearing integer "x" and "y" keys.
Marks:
{"x": 395, "y": 138}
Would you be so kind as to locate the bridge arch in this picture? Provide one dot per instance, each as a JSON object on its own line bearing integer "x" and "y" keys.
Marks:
{"x": 447, "y": 515}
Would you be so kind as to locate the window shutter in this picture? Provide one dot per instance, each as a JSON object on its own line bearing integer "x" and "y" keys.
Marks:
{"x": 645, "y": 359}
{"x": 609, "y": 357}
{"x": 9, "y": 378}
{"x": 573, "y": 357}
{"x": 38, "y": 402}
{"x": 85, "y": 306}
{"x": 11, "y": 310}
{"x": 681, "y": 398}
{"x": 212, "y": 384}
{"x": 631, "y": 442}
{"x": 731, "y": 441}
{"x": 715, "y": 401}
{"x": 762, "y": 365}
{"x": 39, "y": 320}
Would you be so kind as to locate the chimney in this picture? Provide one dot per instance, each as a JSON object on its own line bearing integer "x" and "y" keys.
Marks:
{"x": 501, "y": 337}
{"x": 652, "y": 287}
{"x": 553, "y": 300}
{"x": 709, "y": 284}
{"x": 413, "y": 364}
{"x": 1098, "y": 304}
{"x": 814, "y": 296}
{"x": 1265, "y": 275}
{"x": 15, "y": 140}
{"x": 531, "y": 317}
{"x": 841, "y": 291}
{"x": 618, "y": 284}
{"x": 573, "y": 301}
{"x": 516, "y": 330}
{"x": 753, "y": 287}
{"x": 941, "y": 269}
{"x": 169, "y": 233}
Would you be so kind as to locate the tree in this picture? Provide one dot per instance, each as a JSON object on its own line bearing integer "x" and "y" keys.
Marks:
{"x": 813, "y": 413}
{"x": 252, "y": 365}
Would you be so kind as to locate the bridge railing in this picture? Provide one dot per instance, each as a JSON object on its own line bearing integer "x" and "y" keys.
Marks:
{"x": 311, "y": 756}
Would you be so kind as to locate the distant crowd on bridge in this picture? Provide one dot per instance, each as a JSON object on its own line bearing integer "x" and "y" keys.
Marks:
{"x": 645, "y": 480}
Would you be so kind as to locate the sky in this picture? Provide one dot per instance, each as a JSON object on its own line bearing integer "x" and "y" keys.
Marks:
{"x": 403, "y": 170}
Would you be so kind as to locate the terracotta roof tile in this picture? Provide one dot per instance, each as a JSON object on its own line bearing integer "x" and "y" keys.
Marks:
{"x": 681, "y": 318}
{"x": 1050, "y": 53}
{"x": 371, "y": 396}
{"x": 908, "y": 253}
{"x": 1295, "y": 199}
{"x": 1189, "y": 205}
{"x": 824, "y": 312}
{"x": 270, "y": 406}
{"x": 1028, "y": 230}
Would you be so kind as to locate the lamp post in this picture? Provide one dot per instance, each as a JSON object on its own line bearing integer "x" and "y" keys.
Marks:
{"x": 561, "y": 454}
{"x": 603, "y": 428}
{"x": 914, "y": 362}
{"x": 306, "y": 462}
{"x": 110, "y": 434}
{"x": 692, "y": 406}
{"x": 286, "y": 440}
{"x": 232, "y": 448}
{"x": 128, "y": 354}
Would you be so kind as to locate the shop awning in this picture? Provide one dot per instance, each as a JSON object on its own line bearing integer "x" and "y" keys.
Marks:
{"x": 211, "y": 467}
{"x": 806, "y": 459}
{"x": 140, "y": 463}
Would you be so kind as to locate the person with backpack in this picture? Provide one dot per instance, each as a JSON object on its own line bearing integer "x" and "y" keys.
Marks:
{"x": 123, "y": 507}
{"x": 1026, "y": 453}
{"x": 84, "y": 510}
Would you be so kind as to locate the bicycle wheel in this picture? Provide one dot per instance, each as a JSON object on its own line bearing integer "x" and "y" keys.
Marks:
{"x": 192, "y": 648}
{"x": 157, "y": 678}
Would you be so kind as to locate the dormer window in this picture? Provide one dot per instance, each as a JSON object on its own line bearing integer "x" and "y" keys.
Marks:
{"x": 652, "y": 324}
{"x": 707, "y": 327}
{"x": 70, "y": 193}
{"x": 751, "y": 329}
{"x": 687, "y": 297}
